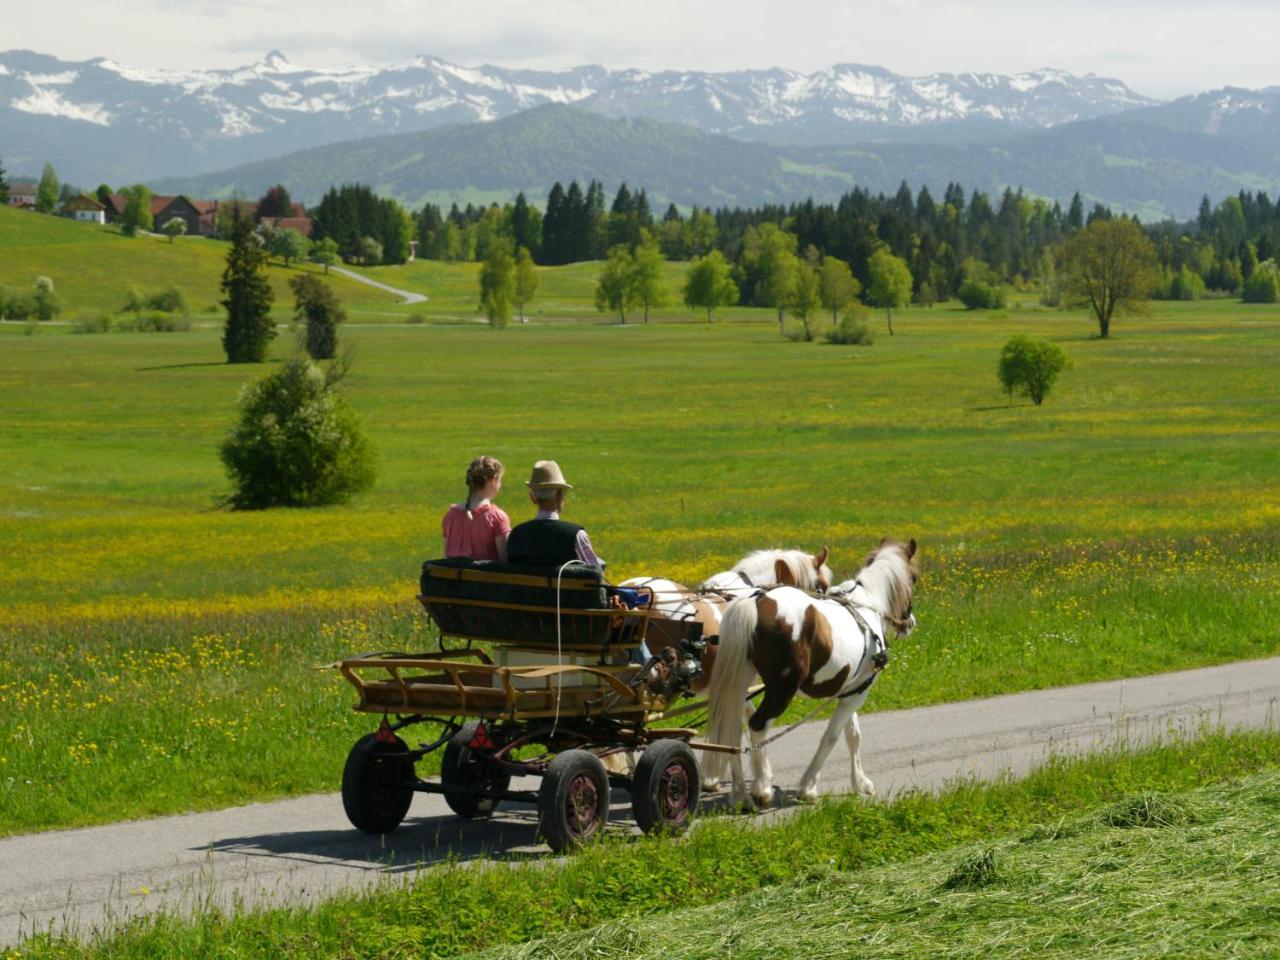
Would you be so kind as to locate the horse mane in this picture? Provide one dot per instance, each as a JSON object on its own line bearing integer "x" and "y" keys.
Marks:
{"x": 760, "y": 566}
{"x": 888, "y": 576}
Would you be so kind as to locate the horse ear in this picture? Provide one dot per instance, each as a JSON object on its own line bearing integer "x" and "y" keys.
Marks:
{"x": 883, "y": 541}
{"x": 911, "y": 547}
{"x": 782, "y": 573}
{"x": 820, "y": 559}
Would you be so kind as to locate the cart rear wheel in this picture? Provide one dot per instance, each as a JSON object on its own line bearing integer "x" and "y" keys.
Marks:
{"x": 666, "y": 788}
{"x": 573, "y": 804}
{"x": 463, "y": 768}
{"x": 377, "y": 784}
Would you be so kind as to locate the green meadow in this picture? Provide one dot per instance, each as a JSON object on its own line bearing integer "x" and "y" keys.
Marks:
{"x": 159, "y": 647}
{"x": 93, "y": 267}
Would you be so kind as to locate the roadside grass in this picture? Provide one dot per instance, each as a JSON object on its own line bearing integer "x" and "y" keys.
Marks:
{"x": 1198, "y": 881}
{"x": 157, "y": 648}
{"x": 1014, "y": 853}
{"x": 93, "y": 267}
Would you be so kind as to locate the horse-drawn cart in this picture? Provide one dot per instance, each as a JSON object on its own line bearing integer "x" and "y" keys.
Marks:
{"x": 562, "y": 692}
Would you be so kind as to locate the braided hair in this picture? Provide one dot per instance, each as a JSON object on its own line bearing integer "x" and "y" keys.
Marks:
{"x": 479, "y": 473}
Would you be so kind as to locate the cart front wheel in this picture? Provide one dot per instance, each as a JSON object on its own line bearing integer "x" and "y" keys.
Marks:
{"x": 377, "y": 784}
{"x": 469, "y": 773}
{"x": 666, "y": 788}
{"x": 573, "y": 804}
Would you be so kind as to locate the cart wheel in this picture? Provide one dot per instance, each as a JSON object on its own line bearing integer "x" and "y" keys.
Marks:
{"x": 573, "y": 804}
{"x": 461, "y": 767}
{"x": 377, "y": 784}
{"x": 666, "y": 788}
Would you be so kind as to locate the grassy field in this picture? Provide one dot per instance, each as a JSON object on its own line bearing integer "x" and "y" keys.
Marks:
{"x": 93, "y": 267}
{"x": 158, "y": 646}
{"x": 1119, "y": 850}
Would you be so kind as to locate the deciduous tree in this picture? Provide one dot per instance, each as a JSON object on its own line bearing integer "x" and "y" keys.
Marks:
{"x": 324, "y": 250}
{"x": 890, "y": 284}
{"x": 805, "y": 296}
{"x": 174, "y": 227}
{"x": 498, "y": 283}
{"x": 709, "y": 283}
{"x": 615, "y": 289}
{"x": 320, "y": 311}
{"x": 47, "y": 191}
{"x": 1110, "y": 265}
{"x": 526, "y": 279}
{"x": 137, "y": 210}
{"x": 649, "y": 274}
{"x": 838, "y": 286}
{"x": 1030, "y": 367}
{"x": 275, "y": 203}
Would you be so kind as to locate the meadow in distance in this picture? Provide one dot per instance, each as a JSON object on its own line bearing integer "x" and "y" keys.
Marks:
{"x": 161, "y": 647}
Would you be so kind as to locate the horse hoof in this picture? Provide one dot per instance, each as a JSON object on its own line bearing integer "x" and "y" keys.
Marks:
{"x": 808, "y": 796}
{"x": 711, "y": 786}
{"x": 763, "y": 801}
{"x": 866, "y": 788}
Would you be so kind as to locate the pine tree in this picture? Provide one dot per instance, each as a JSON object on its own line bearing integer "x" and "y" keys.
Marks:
{"x": 1075, "y": 213}
{"x": 248, "y": 295}
{"x": 554, "y": 226}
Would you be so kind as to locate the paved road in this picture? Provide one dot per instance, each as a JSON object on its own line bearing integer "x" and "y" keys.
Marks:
{"x": 303, "y": 848}
{"x": 407, "y": 296}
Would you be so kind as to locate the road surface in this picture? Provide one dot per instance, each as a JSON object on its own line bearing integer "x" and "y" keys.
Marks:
{"x": 301, "y": 849}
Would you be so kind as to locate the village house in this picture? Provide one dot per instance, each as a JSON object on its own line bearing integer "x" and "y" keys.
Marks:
{"x": 85, "y": 209}
{"x": 22, "y": 195}
{"x": 202, "y": 217}
{"x": 164, "y": 209}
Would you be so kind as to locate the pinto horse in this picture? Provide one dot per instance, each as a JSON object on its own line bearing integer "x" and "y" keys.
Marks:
{"x": 706, "y": 604}
{"x": 825, "y": 647}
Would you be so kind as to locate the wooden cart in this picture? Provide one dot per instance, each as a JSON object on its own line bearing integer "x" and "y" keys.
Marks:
{"x": 563, "y": 693}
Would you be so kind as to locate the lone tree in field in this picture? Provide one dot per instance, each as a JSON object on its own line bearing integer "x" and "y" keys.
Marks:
{"x": 137, "y": 210}
{"x": 805, "y": 296}
{"x": 320, "y": 311}
{"x": 4, "y": 186}
{"x": 890, "y": 284}
{"x": 498, "y": 283}
{"x": 1111, "y": 266}
{"x": 248, "y": 296}
{"x": 174, "y": 227}
{"x": 615, "y": 290}
{"x": 709, "y": 284}
{"x": 297, "y": 443}
{"x": 47, "y": 191}
{"x": 526, "y": 279}
{"x": 1030, "y": 367}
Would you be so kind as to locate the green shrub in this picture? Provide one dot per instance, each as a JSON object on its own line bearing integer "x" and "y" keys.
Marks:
{"x": 416, "y": 318}
{"x": 979, "y": 295}
{"x": 95, "y": 321}
{"x": 1031, "y": 367}
{"x": 46, "y": 304}
{"x": 853, "y": 329}
{"x": 297, "y": 443}
{"x": 170, "y": 300}
{"x": 154, "y": 321}
{"x": 1263, "y": 285}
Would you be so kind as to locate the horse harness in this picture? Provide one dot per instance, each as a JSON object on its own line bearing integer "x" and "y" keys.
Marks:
{"x": 879, "y": 644}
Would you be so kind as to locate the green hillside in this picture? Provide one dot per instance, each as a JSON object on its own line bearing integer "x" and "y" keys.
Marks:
{"x": 92, "y": 267}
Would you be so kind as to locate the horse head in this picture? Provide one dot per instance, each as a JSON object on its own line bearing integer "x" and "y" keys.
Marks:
{"x": 888, "y": 579}
{"x": 794, "y": 568}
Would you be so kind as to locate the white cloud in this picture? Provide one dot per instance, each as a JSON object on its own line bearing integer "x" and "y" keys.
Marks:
{"x": 1161, "y": 49}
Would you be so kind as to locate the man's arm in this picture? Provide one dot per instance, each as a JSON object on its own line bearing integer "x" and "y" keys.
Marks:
{"x": 584, "y": 551}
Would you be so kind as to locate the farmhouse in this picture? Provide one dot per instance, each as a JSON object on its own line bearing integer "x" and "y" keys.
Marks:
{"x": 164, "y": 209}
{"x": 22, "y": 195}
{"x": 86, "y": 209}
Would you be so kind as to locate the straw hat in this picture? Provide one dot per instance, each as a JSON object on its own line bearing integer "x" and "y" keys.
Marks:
{"x": 546, "y": 475}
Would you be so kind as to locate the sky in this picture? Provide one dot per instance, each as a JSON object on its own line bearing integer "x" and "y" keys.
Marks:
{"x": 1161, "y": 49}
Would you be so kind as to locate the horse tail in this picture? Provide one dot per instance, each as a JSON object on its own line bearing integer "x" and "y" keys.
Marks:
{"x": 730, "y": 681}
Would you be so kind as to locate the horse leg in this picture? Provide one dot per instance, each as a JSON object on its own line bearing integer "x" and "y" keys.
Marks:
{"x": 839, "y": 721}
{"x": 761, "y": 771}
{"x": 853, "y": 739}
{"x": 778, "y": 692}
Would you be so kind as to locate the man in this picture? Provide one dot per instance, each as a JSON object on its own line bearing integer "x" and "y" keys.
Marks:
{"x": 546, "y": 540}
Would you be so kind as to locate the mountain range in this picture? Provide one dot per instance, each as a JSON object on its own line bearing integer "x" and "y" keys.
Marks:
{"x": 426, "y": 128}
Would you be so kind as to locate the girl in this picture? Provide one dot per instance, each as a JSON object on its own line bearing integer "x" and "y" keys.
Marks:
{"x": 477, "y": 528}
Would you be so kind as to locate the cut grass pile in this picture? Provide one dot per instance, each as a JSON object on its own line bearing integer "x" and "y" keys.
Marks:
{"x": 93, "y": 267}
{"x": 159, "y": 647}
{"x": 1196, "y": 877}
{"x": 1015, "y": 854}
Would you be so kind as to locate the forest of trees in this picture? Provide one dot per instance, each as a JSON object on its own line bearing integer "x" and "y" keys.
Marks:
{"x": 963, "y": 244}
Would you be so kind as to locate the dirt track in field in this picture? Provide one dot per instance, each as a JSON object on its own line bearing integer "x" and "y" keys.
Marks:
{"x": 301, "y": 849}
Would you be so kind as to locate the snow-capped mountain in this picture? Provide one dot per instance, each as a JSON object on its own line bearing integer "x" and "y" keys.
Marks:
{"x": 101, "y": 120}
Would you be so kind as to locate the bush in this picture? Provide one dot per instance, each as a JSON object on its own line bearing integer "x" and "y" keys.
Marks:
{"x": 154, "y": 321}
{"x": 297, "y": 443}
{"x": 95, "y": 321}
{"x": 16, "y": 304}
{"x": 45, "y": 302}
{"x": 853, "y": 329}
{"x": 1263, "y": 285}
{"x": 977, "y": 295}
{"x": 416, "y": 318}
{"x": 170, "y": 300}
{"x": 1030, "y": 367}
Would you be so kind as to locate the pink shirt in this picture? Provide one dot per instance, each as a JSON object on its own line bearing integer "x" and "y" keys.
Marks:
{"x": 474, "y": 538}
